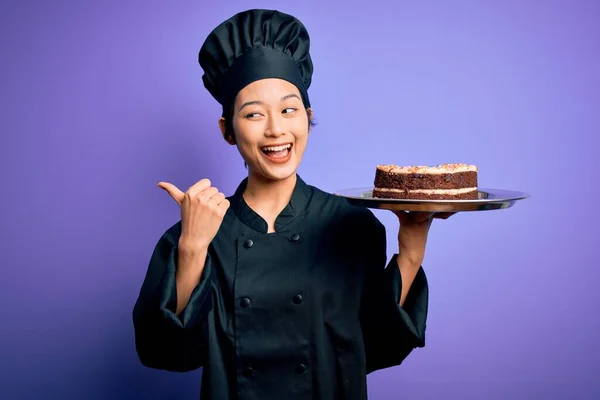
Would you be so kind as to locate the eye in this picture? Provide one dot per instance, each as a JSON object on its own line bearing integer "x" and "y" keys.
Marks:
{"x": 289, "y": 110}
{"x": 252, "y": 115}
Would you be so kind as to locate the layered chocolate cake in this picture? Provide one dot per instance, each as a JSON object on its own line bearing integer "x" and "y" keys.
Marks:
{"x": 443, "y": 182}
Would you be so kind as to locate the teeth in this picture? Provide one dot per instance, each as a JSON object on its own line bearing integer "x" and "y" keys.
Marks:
{"x": 277, "y": 148}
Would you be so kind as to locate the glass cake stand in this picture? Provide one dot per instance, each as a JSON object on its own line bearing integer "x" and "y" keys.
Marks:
{"x": 489, "y": 199}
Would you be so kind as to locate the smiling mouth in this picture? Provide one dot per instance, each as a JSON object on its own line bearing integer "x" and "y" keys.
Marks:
{"x": 277, "y": 152}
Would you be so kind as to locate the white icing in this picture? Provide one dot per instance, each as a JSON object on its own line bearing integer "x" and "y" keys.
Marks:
{"x": 423, "y": 169}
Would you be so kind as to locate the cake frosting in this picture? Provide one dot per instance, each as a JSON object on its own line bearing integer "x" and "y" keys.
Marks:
{"x": 419, "y": 169}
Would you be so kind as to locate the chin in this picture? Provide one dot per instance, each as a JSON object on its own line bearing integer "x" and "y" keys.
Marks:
{"x": 278, "y": 173}
{"x": 274, "y": 172}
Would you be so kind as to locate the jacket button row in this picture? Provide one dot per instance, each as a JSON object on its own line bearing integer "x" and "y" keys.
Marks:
{"x": 297, "y": 299}
{"x": 294, "y": 238}
{"x": 248, "y": 243}
{"x": 245, "y": 302}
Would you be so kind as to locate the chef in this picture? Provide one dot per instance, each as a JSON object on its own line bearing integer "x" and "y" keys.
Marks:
{"x": 281, "y": 290}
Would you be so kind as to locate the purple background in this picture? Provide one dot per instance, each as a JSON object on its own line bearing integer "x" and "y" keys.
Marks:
{"x": 101, "y": 100}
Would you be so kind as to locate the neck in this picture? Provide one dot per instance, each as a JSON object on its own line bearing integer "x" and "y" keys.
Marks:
{"x": 271, "y": 195}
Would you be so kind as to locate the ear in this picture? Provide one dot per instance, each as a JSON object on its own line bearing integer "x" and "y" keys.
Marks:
{"x": 223, "y": 127}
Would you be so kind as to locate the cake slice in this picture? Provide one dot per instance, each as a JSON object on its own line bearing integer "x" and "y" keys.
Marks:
{"x": 443, "y": 182}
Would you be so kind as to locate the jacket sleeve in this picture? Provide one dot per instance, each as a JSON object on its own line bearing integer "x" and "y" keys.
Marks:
{"x": 390, "y": 332}
{"x": 163, "y": 339}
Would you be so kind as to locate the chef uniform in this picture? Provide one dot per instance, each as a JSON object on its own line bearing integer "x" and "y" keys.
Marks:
{"x": 303, "y": 313}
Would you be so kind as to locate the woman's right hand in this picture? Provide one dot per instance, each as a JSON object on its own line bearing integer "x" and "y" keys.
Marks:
{"x": 202, "y": 210}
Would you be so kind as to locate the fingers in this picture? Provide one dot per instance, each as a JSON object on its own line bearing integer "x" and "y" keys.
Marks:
{"x": 402, "y": 216}
{"x": 443, "y": 215}
{"x": 223, "y": 206}
{"x": 420, "y": 216}
{"x": 207, "y": 194}
{"x": 199, "y": 187}
{"x": 217, "y": 198}
{"x": 173, "y": 191}
{"x": 413, "y": 217}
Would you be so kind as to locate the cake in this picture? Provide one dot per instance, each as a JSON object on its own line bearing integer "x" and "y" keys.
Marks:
{"x": 442, "y": 182}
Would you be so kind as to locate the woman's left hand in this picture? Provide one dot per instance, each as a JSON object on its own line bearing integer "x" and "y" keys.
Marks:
{"x": 412, "y": 235}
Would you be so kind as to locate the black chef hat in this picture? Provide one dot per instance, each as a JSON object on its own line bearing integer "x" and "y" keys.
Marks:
{"x": 253, "y": 45}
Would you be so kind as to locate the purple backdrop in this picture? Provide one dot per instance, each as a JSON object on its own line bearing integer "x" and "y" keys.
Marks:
{"x": 101, "y": 100}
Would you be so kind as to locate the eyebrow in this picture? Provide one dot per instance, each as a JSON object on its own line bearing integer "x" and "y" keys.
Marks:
{"x": 253, "y": 102}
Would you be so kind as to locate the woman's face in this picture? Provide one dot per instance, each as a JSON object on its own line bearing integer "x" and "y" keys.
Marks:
{"x": 271, "y": 128}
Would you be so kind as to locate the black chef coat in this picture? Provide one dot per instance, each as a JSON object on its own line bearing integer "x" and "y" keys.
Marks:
{"x": 303, "y": 313}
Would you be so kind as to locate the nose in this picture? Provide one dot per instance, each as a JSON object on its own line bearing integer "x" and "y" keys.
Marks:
{"x": 274, "y": 126}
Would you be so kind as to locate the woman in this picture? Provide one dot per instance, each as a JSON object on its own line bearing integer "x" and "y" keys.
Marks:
{"x": 280, "y": 291}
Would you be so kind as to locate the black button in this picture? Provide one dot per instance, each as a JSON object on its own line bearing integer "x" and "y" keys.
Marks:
{"x": 248, "y": 372}
{"x": 248, "y": 243}
{"x": 300, "y": 368}
{"x": 295, "y": 237}
{"x": 297, "y": 299}
{"x": 245, "y": 302}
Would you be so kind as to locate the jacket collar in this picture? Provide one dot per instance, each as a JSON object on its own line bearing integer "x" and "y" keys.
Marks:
{"x": 297, "y": 204}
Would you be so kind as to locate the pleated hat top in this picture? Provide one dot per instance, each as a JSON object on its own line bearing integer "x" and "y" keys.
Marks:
{"x": 252, "y": 45}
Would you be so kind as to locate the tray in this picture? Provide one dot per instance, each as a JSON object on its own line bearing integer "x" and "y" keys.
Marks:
{"x": 489, "y": 199}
